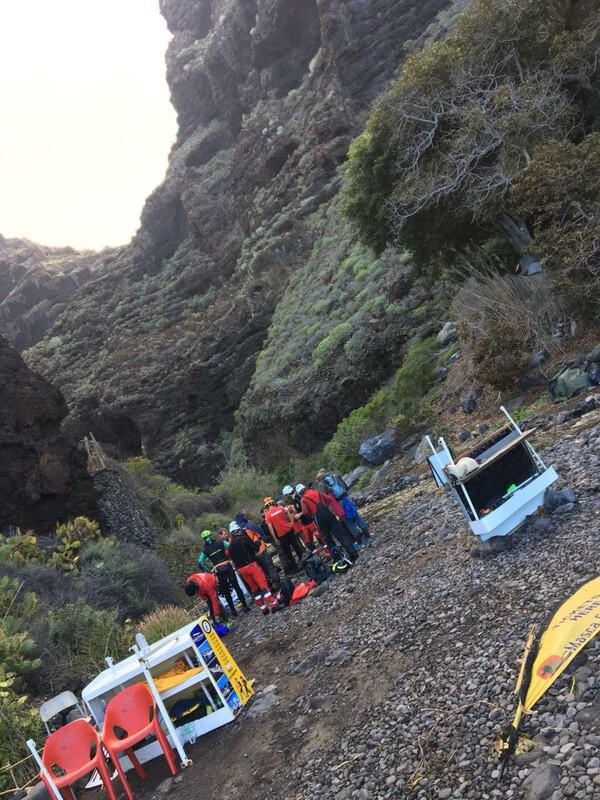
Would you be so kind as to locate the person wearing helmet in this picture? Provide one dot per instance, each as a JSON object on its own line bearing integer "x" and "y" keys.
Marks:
{"x": 256, "y": 534}
{"x": 317, "y": 506}
{"x": 281, "y": 527}
{"x": 204, "y": 585}
{"x": 215, "y": 552}
{"x": 303, "y": 525}
{"x": 243, "y": 553}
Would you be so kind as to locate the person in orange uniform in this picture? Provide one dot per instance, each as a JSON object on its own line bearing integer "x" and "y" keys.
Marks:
{"x": 242, "y": 552}
{"x": 279, "y": 523}
{"x": 254, "y": 533}
{"x": 204, "y": 585}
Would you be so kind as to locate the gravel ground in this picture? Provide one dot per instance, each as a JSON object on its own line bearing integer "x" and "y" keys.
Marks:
{"x": 396, "y": 679}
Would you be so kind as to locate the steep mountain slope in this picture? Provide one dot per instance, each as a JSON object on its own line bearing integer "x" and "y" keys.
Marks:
{"x": 155, "y": 345}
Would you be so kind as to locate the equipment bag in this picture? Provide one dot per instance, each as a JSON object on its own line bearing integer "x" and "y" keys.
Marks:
{"x": 339, "y": 562}
{"x": 315, "y": 568}
{"x": 286, "y": 590}
{"x": 335, "y": 487}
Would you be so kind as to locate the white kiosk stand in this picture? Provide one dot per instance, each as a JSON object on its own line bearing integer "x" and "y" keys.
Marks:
{"x": 509, "y": 484}
{"x": 190, "y": 665}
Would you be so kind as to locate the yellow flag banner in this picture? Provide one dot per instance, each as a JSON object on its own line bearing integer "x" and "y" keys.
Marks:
{"x": 235, "y": 676}
{"x": 575, "y": 623}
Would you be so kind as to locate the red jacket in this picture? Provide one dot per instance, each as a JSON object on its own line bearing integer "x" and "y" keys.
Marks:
{"x": 310, "y": 498}
{"x": 277, "y": 517}
{"x": 207, "y": 583}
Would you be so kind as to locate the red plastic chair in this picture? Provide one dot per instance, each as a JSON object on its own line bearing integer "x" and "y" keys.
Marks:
{"x": 75, "y": 750}
{"x": 131, "y": 716}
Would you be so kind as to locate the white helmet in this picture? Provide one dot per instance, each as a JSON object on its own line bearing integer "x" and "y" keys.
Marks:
{"x": 287, "y": 490}
{"x": 233, "y": 526}
{"x": 300, "y": 488}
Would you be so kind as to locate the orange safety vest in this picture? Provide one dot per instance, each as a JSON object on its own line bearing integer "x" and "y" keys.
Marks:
{"x": 255, "y": 537}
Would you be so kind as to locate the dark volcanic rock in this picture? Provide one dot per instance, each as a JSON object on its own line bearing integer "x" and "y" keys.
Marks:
{"x": 155, "y": 345}
{"x": 43, "y": 476}
{"x": 378, "y": 449}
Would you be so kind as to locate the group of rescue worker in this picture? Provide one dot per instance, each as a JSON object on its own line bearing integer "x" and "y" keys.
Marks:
{"x": 315, "y": 521}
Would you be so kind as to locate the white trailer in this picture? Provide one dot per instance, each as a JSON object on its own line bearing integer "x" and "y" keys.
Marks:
{"x": 508, "y": 485}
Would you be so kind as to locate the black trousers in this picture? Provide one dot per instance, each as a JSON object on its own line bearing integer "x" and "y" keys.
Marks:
{"x": 228, "y": 580}
{"x": 289, "y": 541}
{"x": 330, "y": 526}
{"x": 268, "y": 567}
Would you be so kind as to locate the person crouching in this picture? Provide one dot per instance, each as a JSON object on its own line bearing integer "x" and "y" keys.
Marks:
{"x": 204, "y": 585}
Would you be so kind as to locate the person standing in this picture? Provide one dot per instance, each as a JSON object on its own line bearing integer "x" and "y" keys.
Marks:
{"x": 333, "y": 484}
{"x": 304, "y": 525}
{"x": 280, "y": 525}
{"x": 255, "y": 534}
{"x": 243, "y": 554}
{"x": 317, "y": 506}
{"x": 215, "y": 552}
{"x": 204, "y": 585}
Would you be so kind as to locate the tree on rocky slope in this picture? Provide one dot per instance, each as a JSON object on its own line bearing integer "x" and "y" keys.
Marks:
{"x": 444, "y": 145}
{"x": 559, "y": 195}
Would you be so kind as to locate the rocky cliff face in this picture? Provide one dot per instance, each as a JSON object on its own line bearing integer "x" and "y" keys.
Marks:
{"x": 43, "y": 476}
{"x": 155, "y": 345}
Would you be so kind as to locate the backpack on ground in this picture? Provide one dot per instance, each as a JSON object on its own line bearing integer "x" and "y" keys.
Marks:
{"x": 315, "y": 568}
{"x": 339, "y": 562}
{"x": 286, "y": 590}
{"x": 335, "y": 487}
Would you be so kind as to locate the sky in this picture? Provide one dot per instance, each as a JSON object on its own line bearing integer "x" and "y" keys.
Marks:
{"x": 86, "y": 123}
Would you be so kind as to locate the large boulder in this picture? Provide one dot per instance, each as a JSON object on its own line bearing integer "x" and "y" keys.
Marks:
{"x": 43, "y": 476}
{"x": 448, "y": 334}
{"x": 352, "y": 477}
{"x": 378, "y": 449}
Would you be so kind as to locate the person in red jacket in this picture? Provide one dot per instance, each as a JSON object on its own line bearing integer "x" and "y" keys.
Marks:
{"x": 280, "y": 525}
{"x": 204, "y": 585}
{"x": 317, "y": 506}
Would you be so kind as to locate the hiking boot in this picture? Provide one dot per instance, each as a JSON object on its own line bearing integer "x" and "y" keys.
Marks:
{"x": 276, "y": 608}
{"x": 358, "y": 545}
{"x": 266, "y": 612}
{"x": 234, "y": 613}
{"x": 247, "y": 609}
{"x": 369, "y": 540}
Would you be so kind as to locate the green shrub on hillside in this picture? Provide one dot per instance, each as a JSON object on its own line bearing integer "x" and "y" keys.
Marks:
{"x": 162, "y": 622}
{"x": 17, "y": 609}
{"x": 332, "y": 342}
{"x": 71, "y": 536}
{"x": 124, "y": 577}
{"x": 244, "y": 487}
{"x": 499, "y": 84}
{"x": 22, "y": 548}
{"x": 18, "y": 722}
{"x": 73, "y": 642}
{"x": 402, "y": 396}
{"x": 179, "y": 551}
{"x": 415, "y": 378}
{"x": 166, "y": 500}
